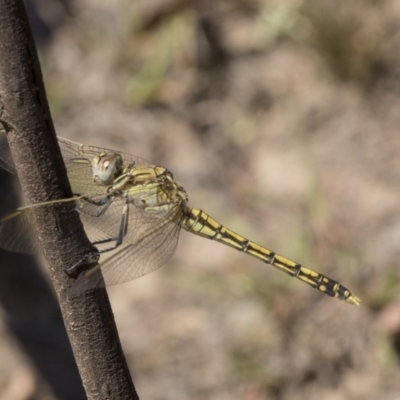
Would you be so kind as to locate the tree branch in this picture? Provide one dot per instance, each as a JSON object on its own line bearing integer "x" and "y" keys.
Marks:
{"x": 33, "y": 316}
{"x": 25, "y": 113}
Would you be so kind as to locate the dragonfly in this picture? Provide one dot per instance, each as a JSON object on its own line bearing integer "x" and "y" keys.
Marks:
{"x": 133, "y": 212}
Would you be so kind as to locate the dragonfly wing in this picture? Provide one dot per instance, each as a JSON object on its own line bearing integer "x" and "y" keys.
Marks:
{"x": 79, "y": 170}
{"x": 72, "y": 150}
{"x": 101, "y": 225}
{"x": 107, "y": 223}
{"x": 6, "y": 161}
{"x": 17, "y": 232}
{"x": 78, "y": 157}
{"x": 152, "y": 247}
{"x": 17, "y": 228}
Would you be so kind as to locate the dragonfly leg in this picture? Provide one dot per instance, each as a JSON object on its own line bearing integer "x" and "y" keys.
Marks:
{"x": 93, "y": 258}
{"x": 121, "y": 234}
{"x": 87, "y": 261}
{"x": 103, "y": 204}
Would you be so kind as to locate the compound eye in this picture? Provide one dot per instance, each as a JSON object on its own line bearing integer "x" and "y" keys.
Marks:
{"x": 106, "y": 168}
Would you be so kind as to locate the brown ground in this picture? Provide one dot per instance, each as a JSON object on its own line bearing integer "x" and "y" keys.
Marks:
{"x": 284, "y": 127}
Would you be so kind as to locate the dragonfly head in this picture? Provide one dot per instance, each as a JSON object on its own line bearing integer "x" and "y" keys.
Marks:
{"x": 106, "y": 168}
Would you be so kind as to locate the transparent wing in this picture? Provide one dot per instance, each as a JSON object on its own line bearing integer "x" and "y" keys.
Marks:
{"x": 77, "y": 158}
{"x": 70, "y": 150}
{"x": 6, "y": 161}
{"x": 17, "y": 232}
{"x": 108, "y": 224}
{"x": 149, "y": 240}
{"x": 17, "y": 229}
{"x": 148, "y": 244}
{"x": 152, "y": 247}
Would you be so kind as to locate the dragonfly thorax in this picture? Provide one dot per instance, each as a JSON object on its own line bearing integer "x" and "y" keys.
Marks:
{"x": 152, "y": 188}
{"x": 106, "y": 168}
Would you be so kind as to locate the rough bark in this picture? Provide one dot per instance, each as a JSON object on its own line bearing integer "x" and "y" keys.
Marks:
{"x": 25, "y": 113}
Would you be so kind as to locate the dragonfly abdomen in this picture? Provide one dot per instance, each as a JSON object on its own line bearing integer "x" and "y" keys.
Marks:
{"x": 200, "y": 223}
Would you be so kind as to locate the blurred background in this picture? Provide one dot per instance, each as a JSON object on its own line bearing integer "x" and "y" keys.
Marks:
{"x": 281, "y": 119}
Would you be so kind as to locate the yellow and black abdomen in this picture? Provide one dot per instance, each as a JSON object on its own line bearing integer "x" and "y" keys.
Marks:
{"x": 200, "y": 223}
